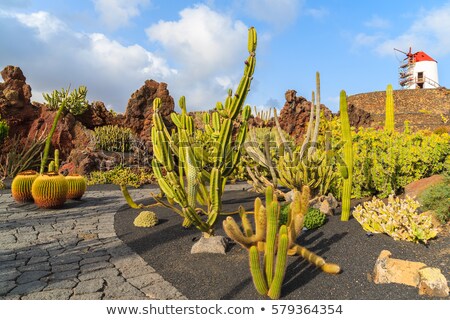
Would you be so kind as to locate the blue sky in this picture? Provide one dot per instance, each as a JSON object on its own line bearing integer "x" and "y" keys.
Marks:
{"x": 198, "y": 47}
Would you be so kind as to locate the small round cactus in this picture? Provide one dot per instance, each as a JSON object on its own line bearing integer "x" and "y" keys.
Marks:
{"x": 146, "y": 219}
{"x": 21, "y": 186}
{"x": 49, "y": 190}
{"x": 77, "y": 186}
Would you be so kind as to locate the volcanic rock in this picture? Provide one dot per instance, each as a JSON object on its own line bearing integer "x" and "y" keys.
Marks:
{"x": 139, "y": 112}
{"x": 15, "y": 105}
{"x": 294, "y": 116}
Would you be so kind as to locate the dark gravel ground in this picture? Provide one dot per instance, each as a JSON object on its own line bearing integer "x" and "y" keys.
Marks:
{"x": 166, "y": 247}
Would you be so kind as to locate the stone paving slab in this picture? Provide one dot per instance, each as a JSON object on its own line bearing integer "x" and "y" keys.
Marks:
{"x": 73, "y": 253}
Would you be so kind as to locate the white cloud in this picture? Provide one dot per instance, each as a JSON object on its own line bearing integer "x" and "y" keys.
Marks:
{"x": 45, "y": 24}
{"x": 279, "y": 13}
{"x": 377, "y": 23}
{"x": 56, "y": 56}
{"x": 209, "y": 49}
{"x": 117, "y": 13}
{"x": 428, "y": 32}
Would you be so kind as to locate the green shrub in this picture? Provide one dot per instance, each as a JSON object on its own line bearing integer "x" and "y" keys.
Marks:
{"x": 385, "y": 163}
{"x": 398, "y": 218}
{"x": 437, "y": 198}
{"x": 122, "y": 176}
{"x": 314, "y": 219}
{"x": 113, "y": 138}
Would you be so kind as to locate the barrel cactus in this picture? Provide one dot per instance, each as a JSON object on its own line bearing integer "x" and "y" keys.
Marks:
{"x": 146, "y": 219}
{"x": 77, "y": 186}
{"x": 21, "y": 186}
{"x": 49, "y": 190}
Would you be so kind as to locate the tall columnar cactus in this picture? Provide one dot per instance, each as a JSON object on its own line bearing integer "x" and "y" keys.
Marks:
{"x": 206, "y": 164}
{"x": 275, "y": 241}
{"x": 389, "y": 124}
{"x": 347, "y": 166}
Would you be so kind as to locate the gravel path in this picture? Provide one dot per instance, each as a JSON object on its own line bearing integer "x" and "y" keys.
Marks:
{"x": 73, "y": 252}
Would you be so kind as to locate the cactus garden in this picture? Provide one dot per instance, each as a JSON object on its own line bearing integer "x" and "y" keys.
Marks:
{"x": 229, "y": 202}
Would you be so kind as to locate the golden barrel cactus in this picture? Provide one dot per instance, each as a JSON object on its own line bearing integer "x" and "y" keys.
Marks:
{"x": 77, "y": 186}
{"x": 49, "y": 190}
{"x": 21, "y": 186}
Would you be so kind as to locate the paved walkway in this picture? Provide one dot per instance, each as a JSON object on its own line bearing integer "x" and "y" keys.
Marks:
{"x": 73, "y": 253}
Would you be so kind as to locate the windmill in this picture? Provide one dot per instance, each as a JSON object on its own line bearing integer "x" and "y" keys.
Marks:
{"x": 418, "y": 71}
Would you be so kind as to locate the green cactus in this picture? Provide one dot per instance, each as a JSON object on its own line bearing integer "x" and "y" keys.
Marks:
{"x": 21, "y": 185}
{"x": 49, "y": 190}
{"x": 204, "y": 164}
{"x": 389, "y": 124}
{"x": 113, "y": 138}
{"x": 347, "y": 167}
{"x": 275, "y": 240}
{"x": 146, "y": 219}
{"x": 305, "y": 165}
{"x": 76, "y": 186}
{"x": 56, "y": 160}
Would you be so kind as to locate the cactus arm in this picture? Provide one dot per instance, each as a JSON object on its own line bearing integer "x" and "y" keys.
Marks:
{"x": 317, "y": 123}
{"x": 348, "y": 157}
{"x": 280, "y": 265}
{"x": 314, "y": 259}
{"x": 255, "y": 269}
{"x": 246, "y": 225}
{"x": 128, "y": 198}
{"x": 56, "y": 160}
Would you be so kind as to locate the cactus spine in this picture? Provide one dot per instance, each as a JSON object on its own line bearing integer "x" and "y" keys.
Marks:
{"x": 389, "y": 124}
{"x": 277, "y": 242}
{"x": 347, "y": 168}
{"x": 21, "y": 186}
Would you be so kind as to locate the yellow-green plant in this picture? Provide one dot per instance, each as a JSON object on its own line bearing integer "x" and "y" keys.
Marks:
{"x": 389, "y": 122}
{"x": 190, "y": 167}
{"x": 347, "y": 167}
{"x": 275, "y": 241}
{"x": 76, "y": 186}
{"x": 49, "y": 190}
{"x": 113, "y": 138}
{"x": 398, "y": 218}
{"x": 146, "y": 219}
{"x": 385, "y": 163}
{"x": 294, "y": 166}
{"x": 21, "y": 185}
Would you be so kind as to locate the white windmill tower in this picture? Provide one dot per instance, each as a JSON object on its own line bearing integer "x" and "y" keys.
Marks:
{"x": 418, "y": 71}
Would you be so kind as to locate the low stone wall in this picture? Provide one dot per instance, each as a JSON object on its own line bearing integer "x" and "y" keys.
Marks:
{"x": 423, "y": 108}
